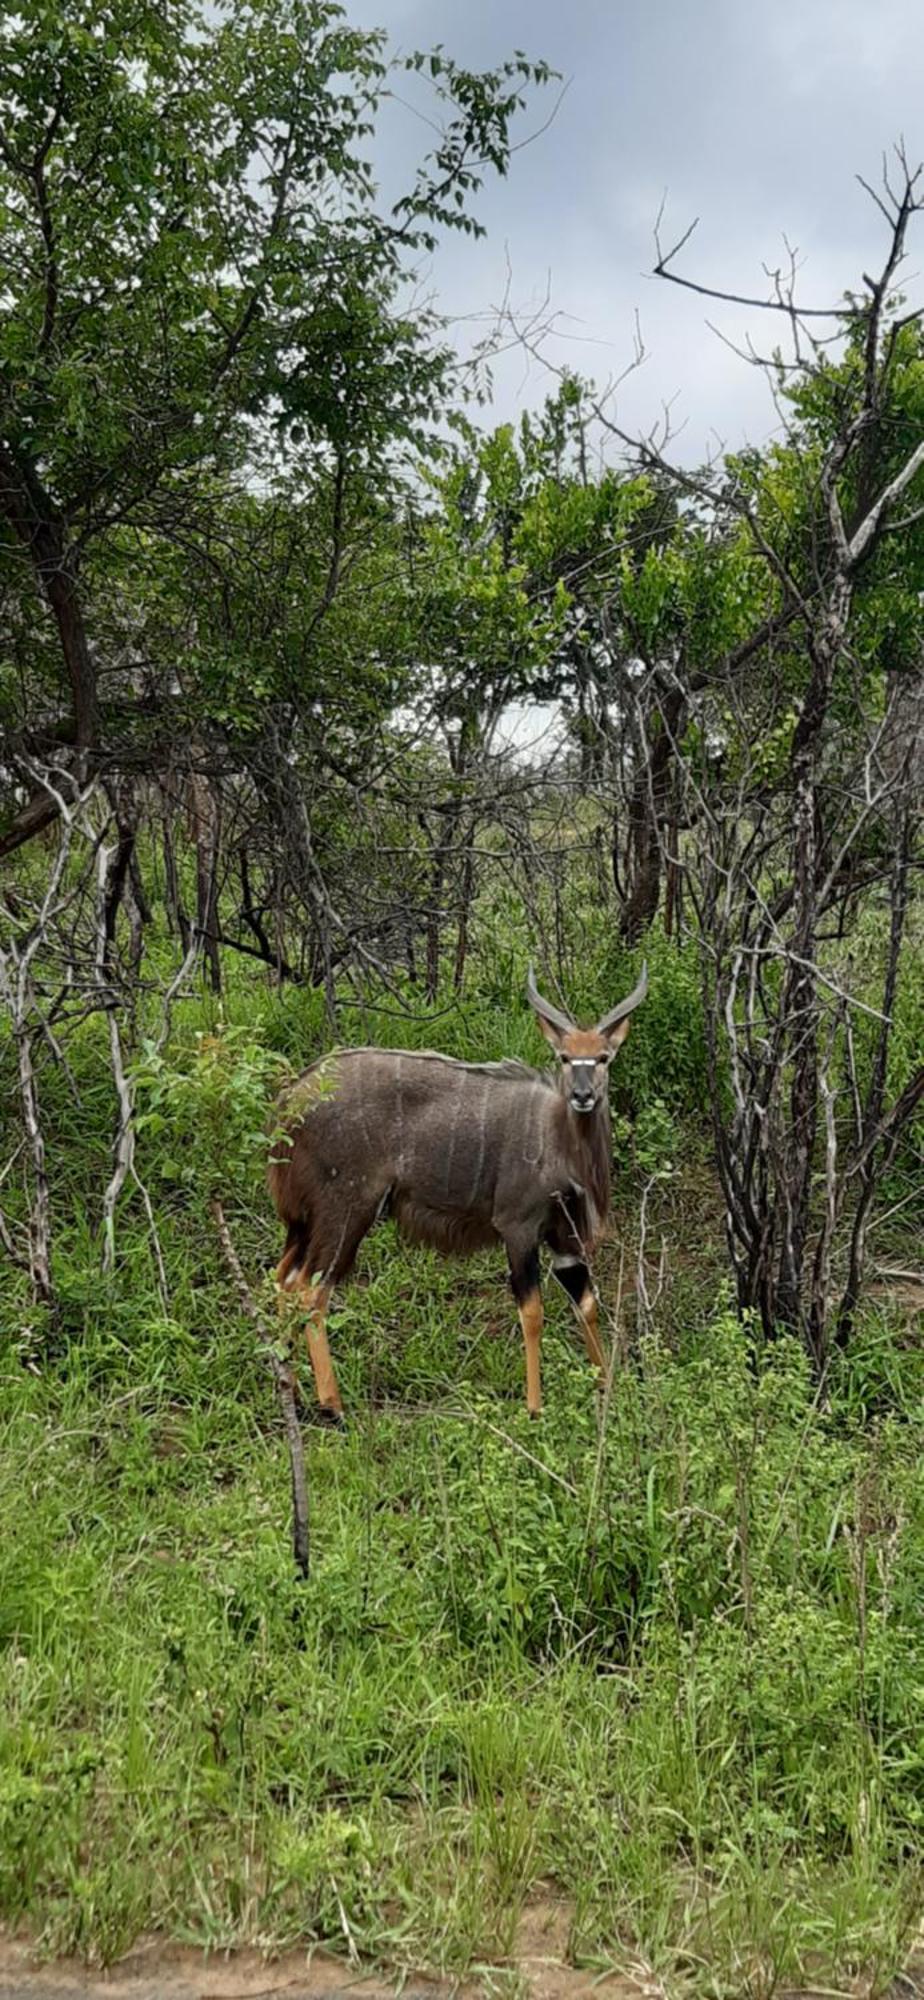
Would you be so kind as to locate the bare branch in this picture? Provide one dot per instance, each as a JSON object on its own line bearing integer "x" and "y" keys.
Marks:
{"x": 285, "y": 1391}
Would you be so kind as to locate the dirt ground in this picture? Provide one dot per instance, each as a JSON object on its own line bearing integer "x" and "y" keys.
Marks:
{"x": 155, "y": 1971}
{"x": 537, "y": 1971}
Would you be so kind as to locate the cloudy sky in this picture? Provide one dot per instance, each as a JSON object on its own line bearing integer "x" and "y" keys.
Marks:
{"x": 754, "y": 117}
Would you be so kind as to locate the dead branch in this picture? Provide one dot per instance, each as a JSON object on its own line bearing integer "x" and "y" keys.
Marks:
{"x": 285, "y": 1391}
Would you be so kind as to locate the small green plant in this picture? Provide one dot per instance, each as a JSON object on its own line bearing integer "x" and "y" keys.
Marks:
{"x": 655, "y": 1139}
{"x": 211, "y": 1099}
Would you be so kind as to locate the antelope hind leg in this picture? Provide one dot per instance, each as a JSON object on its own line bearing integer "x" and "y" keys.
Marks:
{"x": 286, "y": 1279}
{"x": 574, "y": 1277}
{"x": 587, "y": 1308}
{"x": 315, "y": 1300}
{"x": 316, "y": 1303}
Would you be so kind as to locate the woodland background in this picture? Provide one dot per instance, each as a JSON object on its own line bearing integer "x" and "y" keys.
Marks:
{"x": 279, "y": 610}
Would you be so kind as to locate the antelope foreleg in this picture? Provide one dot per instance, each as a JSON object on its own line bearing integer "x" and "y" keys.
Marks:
{"x": 530, "y": 1310}
{"x": 524, "y": 1278}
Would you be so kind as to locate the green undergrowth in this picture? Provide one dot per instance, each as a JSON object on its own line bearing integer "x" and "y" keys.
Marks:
{"x": 662, "y": 1658}
{"x": 667, "y": 1656}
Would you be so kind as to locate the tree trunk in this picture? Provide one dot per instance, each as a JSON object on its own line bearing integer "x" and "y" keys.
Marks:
{"x": 875, "y": 1097}
{"x": 647, "y": 813}
{"x": 205, "y": 825}
{"x": 37, "y": 529}
{"x": 801, "y": 991}
{"x": 434, "y": 915}
{"x": 173, "y": 895}
{"x": 465, "y": 906}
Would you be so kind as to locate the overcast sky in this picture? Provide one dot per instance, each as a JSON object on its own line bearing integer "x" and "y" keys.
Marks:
{"x": 755, "y": 117}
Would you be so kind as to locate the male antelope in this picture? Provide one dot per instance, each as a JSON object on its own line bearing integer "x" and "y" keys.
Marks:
{"x": 462, "y": 1155}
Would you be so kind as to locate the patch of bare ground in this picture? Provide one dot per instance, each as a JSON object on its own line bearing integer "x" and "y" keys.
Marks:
{"x": 904, "y": 1289}
{"x": 537, "y": 1969}
{"x": 156, "y": 1970}
{"x": 540, "y": 1958}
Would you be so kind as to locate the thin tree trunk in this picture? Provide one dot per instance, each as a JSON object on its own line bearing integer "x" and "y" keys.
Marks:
{"x": 40, "y": 1201}
{"x": 435, "y": 906}
{"x": 646, "y": 815}
{"x": 112, "y": 870}
{"x": 173, "y": 895}
{"x": 205, "y": 819}
{"x": 801, "y": 1002}
{"x": 465, "y": 905}
{"x": 35, "y": 525}
{"x": 672, "y": 884}
{"x": 872, "y": 1110}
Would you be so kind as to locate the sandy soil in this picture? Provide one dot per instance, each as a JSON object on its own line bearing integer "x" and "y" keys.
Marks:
{"x": 159, "y": 1971}
{"x": 538, "y": 1971}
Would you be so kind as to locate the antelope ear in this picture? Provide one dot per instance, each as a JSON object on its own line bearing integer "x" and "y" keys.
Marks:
{"x": 617, "y": 1035}
{"x": 554, "y": 1024}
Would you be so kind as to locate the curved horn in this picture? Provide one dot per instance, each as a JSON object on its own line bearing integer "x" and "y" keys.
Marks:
{"x": 626, "y": 1006}
{"x": 544, "y": 1007}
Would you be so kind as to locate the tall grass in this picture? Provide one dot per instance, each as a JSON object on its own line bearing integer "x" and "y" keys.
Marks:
{"x": 667, "y": 1658}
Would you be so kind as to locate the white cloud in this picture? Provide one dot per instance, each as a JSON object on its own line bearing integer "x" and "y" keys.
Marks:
{"x": 756, "y": 119}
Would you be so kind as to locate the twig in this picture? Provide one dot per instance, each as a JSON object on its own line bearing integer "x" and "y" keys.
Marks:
{"x": 124, "y": 1148}
{"x": 641, "y": 1277}
{"x": 285, "y": 1391}
{"x": 515, "y": 1445}
{"x": 662, "y": 269}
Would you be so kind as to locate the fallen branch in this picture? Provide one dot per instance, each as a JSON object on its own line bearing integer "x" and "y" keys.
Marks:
{"x": 285, "y": 1391}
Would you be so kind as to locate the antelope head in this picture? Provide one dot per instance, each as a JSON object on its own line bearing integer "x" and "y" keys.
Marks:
{"x": 585, "y": 1054}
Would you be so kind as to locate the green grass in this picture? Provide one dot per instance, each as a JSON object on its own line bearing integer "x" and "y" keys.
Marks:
{"x": 667, "y": 1658}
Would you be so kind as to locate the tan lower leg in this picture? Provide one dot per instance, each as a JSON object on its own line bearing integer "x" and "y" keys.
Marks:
{"x": 590, "y": 1324}
{"x": 531, "y": 1321}
{"x": 317, "y": 1300}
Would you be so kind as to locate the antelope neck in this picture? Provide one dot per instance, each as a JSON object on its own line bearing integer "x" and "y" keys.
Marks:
{"x": 588, "y": 1134}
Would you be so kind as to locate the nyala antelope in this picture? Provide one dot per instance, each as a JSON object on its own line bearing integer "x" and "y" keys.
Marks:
{"x": 462, "y": 1155}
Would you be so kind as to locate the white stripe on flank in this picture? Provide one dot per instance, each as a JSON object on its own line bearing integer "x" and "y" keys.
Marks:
{"x": 532, "y": 1150}
{"x": 452, "y": 1139}
{"x": 399, "y": 1102}
{"x": 479, "y": 1163}
{"x": 362, "y": 1119}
